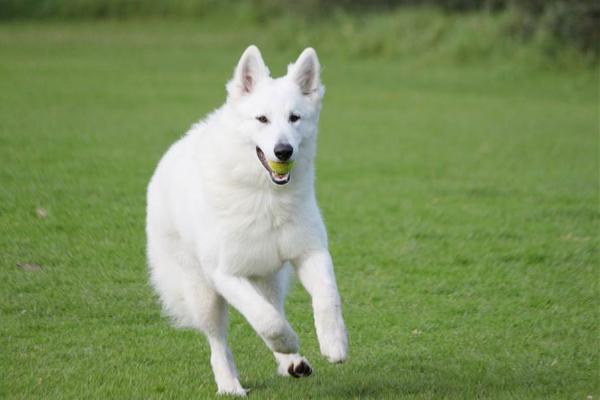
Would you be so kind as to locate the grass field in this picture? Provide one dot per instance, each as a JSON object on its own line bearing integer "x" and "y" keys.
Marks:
{"x": 461, "y": 201}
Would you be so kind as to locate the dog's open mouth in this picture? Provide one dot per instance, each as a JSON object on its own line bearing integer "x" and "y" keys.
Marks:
{"x": 277, "y": 177}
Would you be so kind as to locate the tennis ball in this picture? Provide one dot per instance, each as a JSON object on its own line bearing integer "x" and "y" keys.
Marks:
{"x": 281, "y": 168}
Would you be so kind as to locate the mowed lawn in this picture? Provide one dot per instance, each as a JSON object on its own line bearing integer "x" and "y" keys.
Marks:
{"x": 461, "y": 202}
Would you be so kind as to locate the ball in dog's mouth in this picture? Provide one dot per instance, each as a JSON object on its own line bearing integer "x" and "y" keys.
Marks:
{"x": 278, "y": 171}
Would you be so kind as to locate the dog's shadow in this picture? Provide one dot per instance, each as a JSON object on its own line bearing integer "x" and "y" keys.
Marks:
{"x": 410, "y": 379}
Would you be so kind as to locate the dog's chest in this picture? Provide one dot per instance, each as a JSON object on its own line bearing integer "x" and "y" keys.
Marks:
{"x": 256, "y": 239}
{"x": 251, "y": 255}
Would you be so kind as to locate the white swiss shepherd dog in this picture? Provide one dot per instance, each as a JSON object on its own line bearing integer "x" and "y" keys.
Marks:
{"x": 225, "y": 225}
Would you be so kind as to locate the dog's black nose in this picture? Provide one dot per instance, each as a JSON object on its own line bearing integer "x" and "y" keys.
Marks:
{"x": 283, "y": 151}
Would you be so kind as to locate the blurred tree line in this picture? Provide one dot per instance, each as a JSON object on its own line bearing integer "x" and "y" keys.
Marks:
{"x": 573, "y": 22}
{"x": 576, "y": 22}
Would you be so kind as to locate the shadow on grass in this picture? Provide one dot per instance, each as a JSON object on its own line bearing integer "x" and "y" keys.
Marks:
{"x": 416, "y": 379}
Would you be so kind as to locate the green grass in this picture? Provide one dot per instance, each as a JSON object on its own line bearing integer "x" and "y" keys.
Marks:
{"x": 461, "y": 200}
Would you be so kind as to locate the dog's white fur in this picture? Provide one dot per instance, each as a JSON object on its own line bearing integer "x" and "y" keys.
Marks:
{"x": 221, "y": 232}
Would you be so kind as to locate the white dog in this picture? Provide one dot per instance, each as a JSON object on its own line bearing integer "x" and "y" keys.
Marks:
{"x": 228, "y": 219}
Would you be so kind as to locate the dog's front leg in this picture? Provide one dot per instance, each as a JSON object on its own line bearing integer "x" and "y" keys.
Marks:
{"x": 315, "y": 271}
{"x": 266, "y": 320}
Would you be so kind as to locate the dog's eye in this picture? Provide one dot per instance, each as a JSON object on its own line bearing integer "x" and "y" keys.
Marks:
{"x": 262, "y": 119}
{"x": 294, "y": 117}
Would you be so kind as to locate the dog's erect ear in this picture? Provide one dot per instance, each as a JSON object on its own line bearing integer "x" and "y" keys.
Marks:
{"x": 250, "y": 70}
{"x": 306, "y": 72}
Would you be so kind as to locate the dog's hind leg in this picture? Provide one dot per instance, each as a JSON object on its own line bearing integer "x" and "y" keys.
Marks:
{"x": 274, "y": 289}
{"x": 211, "y": 318}
{"x": 192, "y": 303}
{"x": 221, "y": 358}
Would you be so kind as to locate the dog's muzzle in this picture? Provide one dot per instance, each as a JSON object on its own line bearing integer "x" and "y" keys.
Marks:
{"x": 278, "y": 171}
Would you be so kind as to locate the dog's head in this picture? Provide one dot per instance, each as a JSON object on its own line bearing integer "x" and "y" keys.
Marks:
{"x": 277, "y": 117}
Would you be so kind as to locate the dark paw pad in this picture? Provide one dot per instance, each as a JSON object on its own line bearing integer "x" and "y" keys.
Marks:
{"x": 302, "y": 369}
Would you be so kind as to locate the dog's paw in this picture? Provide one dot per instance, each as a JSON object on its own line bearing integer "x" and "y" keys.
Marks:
{"x": 239, "y": 392}
{"x": 293, "y": 365}
{"x": 334, "y": 346}
{"x": 333, "y": 338}
{"x": 335, "y": 353}
{"x": 300, "y": 369}
{"x": 232, "y": 389}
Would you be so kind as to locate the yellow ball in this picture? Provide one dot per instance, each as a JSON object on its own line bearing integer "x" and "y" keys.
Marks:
{"x": 281, "y": 168}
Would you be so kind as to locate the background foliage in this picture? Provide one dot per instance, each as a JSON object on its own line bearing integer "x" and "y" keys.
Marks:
{"x": 568, "y": 22}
